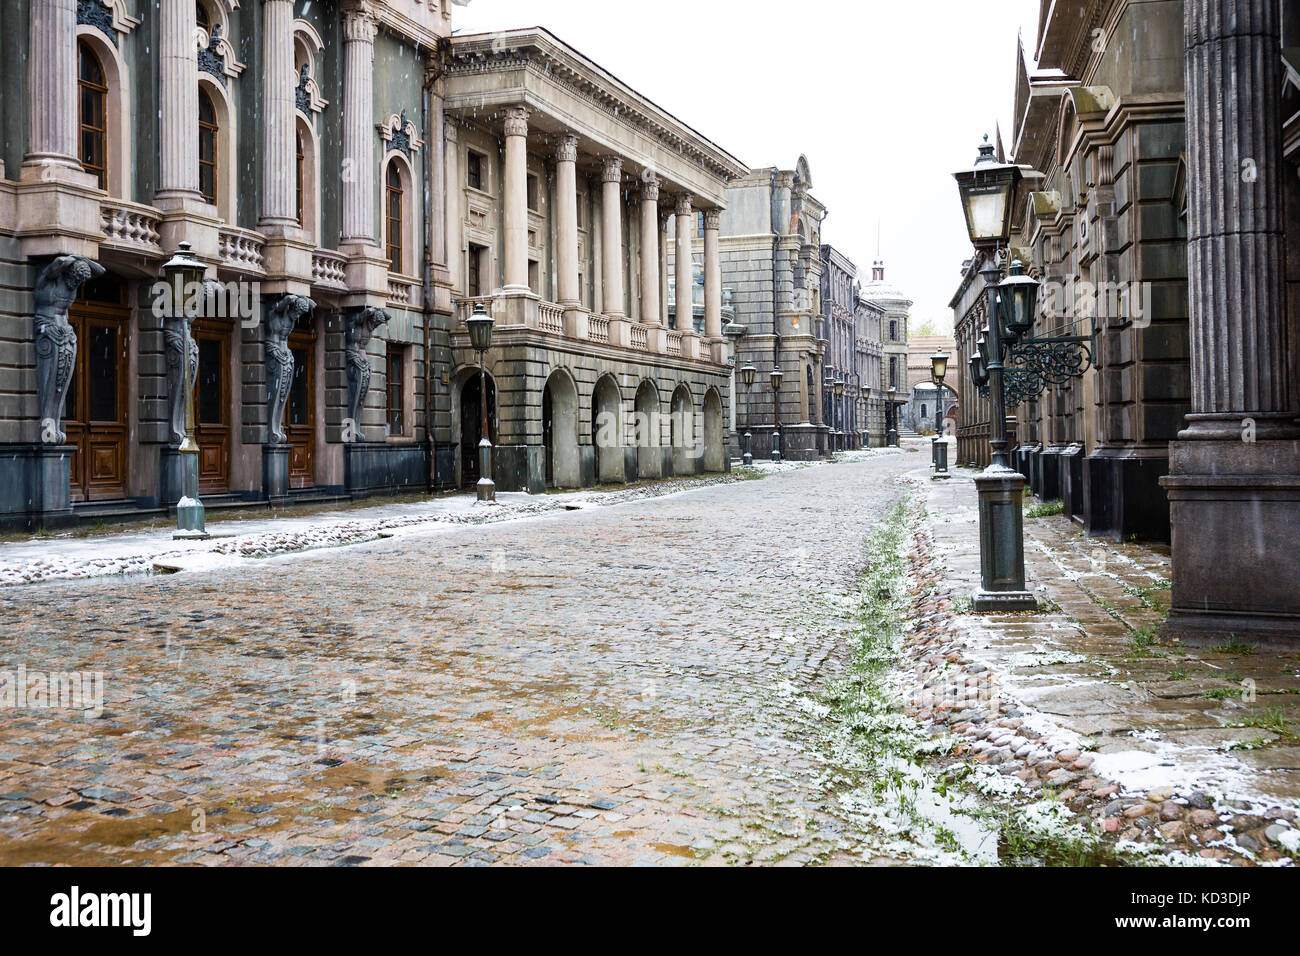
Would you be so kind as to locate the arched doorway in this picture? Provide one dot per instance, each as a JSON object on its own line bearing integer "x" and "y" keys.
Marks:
{"x": 607, "y": 430}
{"x": 95, "y": 412}
{"x": 684, "y": 438}
{"x": 649, "y": 457}
{"x": 560, "y": 431}
{"x": 471, "y": 425}
{"x": 714, "y": 446}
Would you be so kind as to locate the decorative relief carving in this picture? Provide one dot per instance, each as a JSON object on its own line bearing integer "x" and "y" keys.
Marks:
{"x": 567, "y": 149}
{"x": 516, "y": 121}
{"x": 400, "y": 134}
{"x": 611, "y": 169}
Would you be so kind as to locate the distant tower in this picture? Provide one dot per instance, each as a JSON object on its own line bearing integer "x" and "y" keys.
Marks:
{"x": 878, "y": 271}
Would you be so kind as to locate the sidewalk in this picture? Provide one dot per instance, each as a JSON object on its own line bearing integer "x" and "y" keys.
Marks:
{"x": 1193, "y": 751}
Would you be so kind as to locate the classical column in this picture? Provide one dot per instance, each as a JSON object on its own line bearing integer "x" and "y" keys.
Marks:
{"x": 1233, "y": 483}
{"x": 650, "y": 249}
{"x": 516, "y": 201}
{"x": 1235, "y": 264}
{"x": 279, "y": 180}
{"x": 664, "y": 216}
{"x": 712, "y": 278}
{"x": 566, "y": 221}
{"x": 358, "y": 125}
{"x": 52, "y": 57}
{"x": 178, "y": 103}
{"x": 685, "y": 301}
{"x": 611, "y": 207}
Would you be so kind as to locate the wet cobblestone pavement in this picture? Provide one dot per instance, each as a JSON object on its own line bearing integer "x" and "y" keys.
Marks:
{"x": 615, "y": 685}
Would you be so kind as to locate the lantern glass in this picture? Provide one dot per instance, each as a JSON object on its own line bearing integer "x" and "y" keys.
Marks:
{"x": 185, "y": 269}
{"x": 1017, "y": 302}
{"x": 939, "y": 366}
{"x": 987, "y": 191}
{"x": 747, "y": 375}
{"x": 777, "y": 377}
{"x": 480, "y": 329}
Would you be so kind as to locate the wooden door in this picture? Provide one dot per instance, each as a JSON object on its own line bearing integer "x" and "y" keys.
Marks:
{"x": 95, "y": 414}
{"x": 301, "y": 414}
{"x": 212, "y": 406}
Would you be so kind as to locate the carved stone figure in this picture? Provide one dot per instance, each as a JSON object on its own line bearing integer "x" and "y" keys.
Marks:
{"x": 361, "y": 326}
{"x": 280, "y": 321}
{"x": 56, "y": 342}
{"x": 177, "y": 331}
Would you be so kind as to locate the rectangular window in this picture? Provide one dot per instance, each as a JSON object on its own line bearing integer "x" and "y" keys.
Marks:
{"x": 893, "y": 371}
{"x": 534, "y": 193}
{"x": 474, "y": 170}
{"x": 581, "y": 203}
{"x": 534, "y": 277}
{"x": 396, "y": 385}
{"x": 474, "y": 283}
{"x": 210, "y": 385}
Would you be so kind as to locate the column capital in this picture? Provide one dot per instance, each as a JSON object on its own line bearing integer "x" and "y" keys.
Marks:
{"x": 711, "y": 218}
{"x": 516, "y": 123}
{"x": 683, "y": 207}
{"x": 566, "y": 151}
{"x": 359, "y": 23}
{"x": 649, "y": 187}
{"x": 611, "y": 169}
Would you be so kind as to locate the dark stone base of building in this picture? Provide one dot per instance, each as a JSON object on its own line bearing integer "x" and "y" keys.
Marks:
{"x": 1234, "y": 508}
{"x": 519, "y": 468}
{"x": 275, "y": 472}
{"x": 379, "y": 468}
{"x": 1123, "y": 497}
{"x": 35, "y": 486}
{"x": 1071, "y": 481}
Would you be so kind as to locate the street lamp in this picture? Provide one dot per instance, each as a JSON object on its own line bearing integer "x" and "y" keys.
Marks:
{"x": 184, "y": 273}
{"x": 480, "y": 340}
{"x": 988, "y": 192}
{"x": 747, "y": 376}
{"x": 776, "y": 378}
{"x": 938, "y": 371}
{"x": 891, "y": 418}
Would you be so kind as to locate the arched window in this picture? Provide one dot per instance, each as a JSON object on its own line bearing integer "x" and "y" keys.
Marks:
{"x": 201, "y": 18}
{"x": 393, "y": 216}
{"x": 93, "y": 91}
{"x": 300, "y": 160}
{"x": 207, "y": 148}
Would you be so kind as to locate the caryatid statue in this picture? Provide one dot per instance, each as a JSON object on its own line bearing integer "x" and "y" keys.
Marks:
{"x": 280, "y": 321}
{"x": 177, "y": 331}
{"x": 361, "y": 326}
{"x": 56, "y": 341}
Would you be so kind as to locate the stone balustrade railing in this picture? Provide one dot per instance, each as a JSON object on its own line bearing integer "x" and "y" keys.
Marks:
{"x": 241, "y": 249}
{"x": 400, "y": 291}
{"x": 641, "y": 338}
{"x": 130, "y": 227}
{"x": 598, "y": 328}
{"x": 673, "y": 343}
{"x": 550, "y": 318}
{"x": 329, "y": 270}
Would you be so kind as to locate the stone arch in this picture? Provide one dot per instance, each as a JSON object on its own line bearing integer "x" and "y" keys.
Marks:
{"x": 683, "y": 438}
{"x": 409, "y": 236}
{"x": 649, "y": 432}
{"x": 560, "y": 431}
{"x": 607, "y": 427}
{"x": 714, "y": 436}
{"x": 466, "y": 419}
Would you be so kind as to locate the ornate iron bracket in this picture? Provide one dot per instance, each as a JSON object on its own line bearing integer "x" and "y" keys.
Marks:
{"x": 1034, "y": 364}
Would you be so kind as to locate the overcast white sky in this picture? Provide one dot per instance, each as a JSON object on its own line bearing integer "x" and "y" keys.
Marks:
{"x": 885, "y": 99}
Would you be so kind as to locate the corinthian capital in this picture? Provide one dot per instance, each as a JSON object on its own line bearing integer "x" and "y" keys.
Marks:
{"x": 711, "y": 217}
{"x": 611, "y": 170}
{"x": 684, "y": 205}
{"x": 359, "y": 24}
{"x": 649, "y": 186}
{"x": 517, "y": 121}
{"x": 567, "y": 150}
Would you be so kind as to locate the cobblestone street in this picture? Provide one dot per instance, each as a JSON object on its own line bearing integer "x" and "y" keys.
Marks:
{"x": 612, "y": 685}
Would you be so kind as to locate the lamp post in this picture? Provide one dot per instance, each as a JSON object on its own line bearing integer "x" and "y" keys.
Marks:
{"x": 776, "y": 377}
{"x": 891, "y": 418}
{"x": 747, "y": 376}
{"x": 184, "y": 273}
{"x": 480, "y": 339}
{"x": 988, "y": 192}
{"x": 938, "y": 371}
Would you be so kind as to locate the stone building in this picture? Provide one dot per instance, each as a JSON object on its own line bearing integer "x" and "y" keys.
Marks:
{"x": 919, "y": 414}
{"x": 841, "y": 378}
{"x": 770, "y": 251}
{"x": 566, "y": 194}
{"x": 1101, "y": 119}
{"x": 871, "y": 395}
{"x": 894, "y": 306}
{"x": 1164, "y": 133}
{"x": 351, "y": 181}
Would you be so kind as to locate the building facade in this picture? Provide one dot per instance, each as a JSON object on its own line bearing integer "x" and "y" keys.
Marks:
{"x": 841, "y": 378}
{"x": 871, "y": 396}
{"x": 770, "y": 251}
{"x": 893, "y": 306}
{"x": 351, "y": 197}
